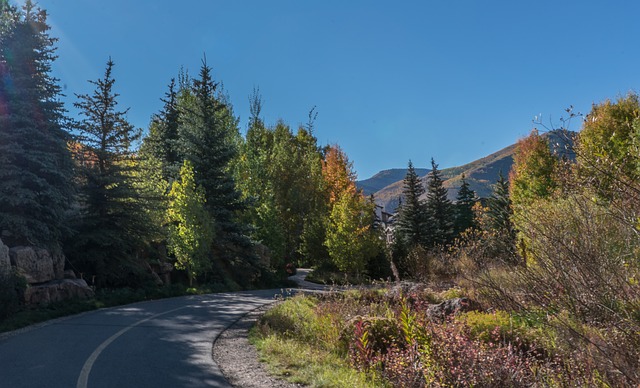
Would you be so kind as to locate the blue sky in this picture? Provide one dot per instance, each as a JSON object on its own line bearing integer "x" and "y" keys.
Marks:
{"x": 392, "y": 81}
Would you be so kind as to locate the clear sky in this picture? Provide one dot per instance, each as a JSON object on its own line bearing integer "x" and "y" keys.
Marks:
{"x": 391, "y": 80}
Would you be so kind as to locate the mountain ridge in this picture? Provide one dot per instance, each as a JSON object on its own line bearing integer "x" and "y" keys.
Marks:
{"x": 481, "y": 174}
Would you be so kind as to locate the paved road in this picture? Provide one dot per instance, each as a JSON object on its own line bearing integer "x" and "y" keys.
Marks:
{"x": 163, "y": 343}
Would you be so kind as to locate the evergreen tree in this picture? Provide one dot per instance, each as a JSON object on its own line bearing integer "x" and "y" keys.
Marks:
{"x": 162, "y": 141}
{"x": 411, "y": 222}
{"x": 111, "y": 225}
{"x": 464, "y": 216}
{"x": 500, "y": 213}
{"x": 208, "y": 136}
{"x": 35, "y": 164}
{"x": 439, "y": 209}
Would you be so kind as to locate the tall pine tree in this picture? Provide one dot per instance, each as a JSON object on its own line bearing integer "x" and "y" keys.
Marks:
{"x": 466, "y": 198}
{"x": 111, "y": 225}
{"x": 161, "y": 143}
{"x": 500, "y": 215}
{"x": 35, "y": 164}
{"x": 439, "y": 209}
{"x": 208, "y": 136}
{"x": 410, "y": 228}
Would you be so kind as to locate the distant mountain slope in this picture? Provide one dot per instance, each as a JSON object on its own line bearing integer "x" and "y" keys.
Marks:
{"x": 481, "y": 174}
{"x": 385, "y": 178}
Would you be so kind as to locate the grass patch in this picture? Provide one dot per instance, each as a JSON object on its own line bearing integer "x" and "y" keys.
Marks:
{"x": 298, "y": 363}
{"x": 303, "y": 346}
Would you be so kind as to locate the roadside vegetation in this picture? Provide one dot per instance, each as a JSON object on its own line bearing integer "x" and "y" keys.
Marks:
{"x": 549, "y": 264}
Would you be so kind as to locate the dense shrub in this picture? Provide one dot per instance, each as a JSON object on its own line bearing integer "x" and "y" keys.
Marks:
{"x": 12, "y": 287}
{"x": 582, "y": 272}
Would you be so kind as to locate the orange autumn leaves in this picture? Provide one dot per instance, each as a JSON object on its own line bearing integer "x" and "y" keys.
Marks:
{"x": 338, "y": 174}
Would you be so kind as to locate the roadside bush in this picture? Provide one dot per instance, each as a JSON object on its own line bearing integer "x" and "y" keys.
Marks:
{"x": 12, "y": 287}
{"x": 582, "y": 270}
{"x": 424, "y": 264}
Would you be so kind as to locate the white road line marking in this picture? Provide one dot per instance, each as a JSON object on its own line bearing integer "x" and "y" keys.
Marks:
{"x": 83, "y": 379}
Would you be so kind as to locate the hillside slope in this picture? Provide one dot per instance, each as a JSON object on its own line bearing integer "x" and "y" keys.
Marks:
{"x": 385, "y": 178}
{"x": 481, "y": 174}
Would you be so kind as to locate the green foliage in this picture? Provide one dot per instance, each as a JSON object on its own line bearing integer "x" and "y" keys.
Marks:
{"x": 412, "y": 215}
{"x": 208, "y": 137}
{"x": 492, "y": 326}
{"x": 440, "y": 210}
{"x": 257, "y": 184}
{"x": 35, "y": 164}
{"x": 500, "y": 227}
{"x": 280, "y": 174}
{"x": 191, "y": 228}
{"x": 161, "y": 143}
{"x": 111, "y": 221}
{"x": 351, "y": 240}
{"x": 534, "y": 171}
{"x": 464, "y": 216}
{"x": 12, "y": 287}
{"x": 312, "y": 241}
{"x": 608, "y": 146}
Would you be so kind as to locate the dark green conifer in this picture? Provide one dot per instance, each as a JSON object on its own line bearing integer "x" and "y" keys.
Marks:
{"x": 501, "y": 212}
{"x": 161, "y": 143}
{"x": 35, "y": 164}
{"x": 439, "y": 209}
{"x": 412, "y": 216}
{"x": 111, "y": 223}
{"x": 464, "y": 217}
{"x": 208, "y": 135}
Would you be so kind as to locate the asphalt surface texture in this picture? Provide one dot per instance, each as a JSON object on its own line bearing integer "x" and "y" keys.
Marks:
{"x": 162, "y": 343}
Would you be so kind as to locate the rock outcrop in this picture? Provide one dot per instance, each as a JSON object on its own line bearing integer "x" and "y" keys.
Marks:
{"x": 57, "y": 291}
{"x": 44, "y": 272}
{"x": 35, "y": 264}
{"x": 59, "y": 260}
{"x": 452, "y": 306}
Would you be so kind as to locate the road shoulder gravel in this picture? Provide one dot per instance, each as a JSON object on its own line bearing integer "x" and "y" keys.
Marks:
{"x": 238, "y": 359}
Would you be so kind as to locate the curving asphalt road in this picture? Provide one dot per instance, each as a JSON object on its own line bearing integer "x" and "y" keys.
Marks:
{"x": 163, "y": 343}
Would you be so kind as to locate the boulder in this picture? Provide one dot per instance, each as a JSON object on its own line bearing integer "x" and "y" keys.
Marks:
{"x": 57, "y": 291}
{"x": 69, "y": 274}
{"x": 450, "y": 307}
{"x": 35, "y": 264}
{"x": 5, "y": 261}
{"x": 161, "y": 271}
{"x": 58, "y": 259}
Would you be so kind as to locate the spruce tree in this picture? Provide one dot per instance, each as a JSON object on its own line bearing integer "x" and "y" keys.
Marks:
{"x": 410, "y": 228}
{"x": 35, "y": 164}
{"x": 208, "y": 136}
{"x": 466, "y": 198}
{"x": 500, "y": 214}
{"x": 439, "y": 209}
{"x": 111, "y": 224}
{"x": 161, "y": 143}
